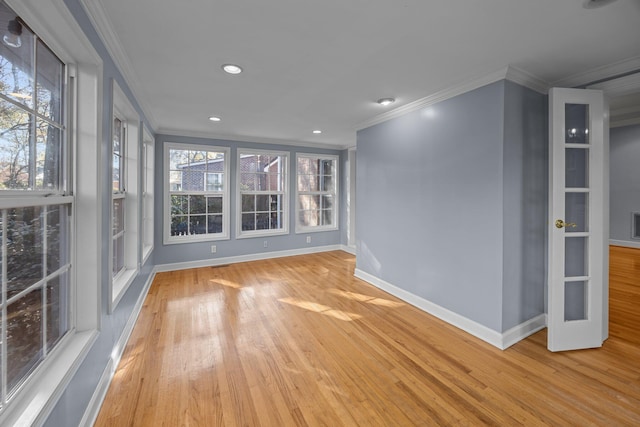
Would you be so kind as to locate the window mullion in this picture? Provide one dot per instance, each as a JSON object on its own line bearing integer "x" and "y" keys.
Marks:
{"x": 45, "y": 250}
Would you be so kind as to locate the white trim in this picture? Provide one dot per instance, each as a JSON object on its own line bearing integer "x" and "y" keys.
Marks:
{"x": 586, "y": 77}
{"x": 91, "y": 412}
{"x": 507, "y": 73}
{"x": 300, "y": 229}
{"x": 349, "y": 249}
{"x": 624, "y": 243}
{"x": 167, "y": 238}
{"x": 497, "y": 339}
{"x": 253, "y": 139}
{"x": 98, "y": 17}
{"x": 286, "y": 193}
{"x": 625, "y": 116}
{"x": 246, "y": 258}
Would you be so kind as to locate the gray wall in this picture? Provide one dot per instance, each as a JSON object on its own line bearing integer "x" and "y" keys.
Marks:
{"x": 624, "y": 180}
{"x": 442, "y": 193}
{"x": 177, "y": 253}
{"x": 525, "y": 191}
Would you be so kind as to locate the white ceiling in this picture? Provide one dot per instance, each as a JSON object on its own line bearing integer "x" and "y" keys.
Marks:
{"x": 322, "y": 64}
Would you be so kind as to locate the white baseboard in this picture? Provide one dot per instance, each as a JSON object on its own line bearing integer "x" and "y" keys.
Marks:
{"x": 93, "y": 409}
{"x": 624, "y": 243}
{"x": 497, "y": 339}
{"x": 244, "y": 258}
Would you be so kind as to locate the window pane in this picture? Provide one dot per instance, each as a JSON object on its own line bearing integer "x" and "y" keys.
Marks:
{"x": 179, "y": 225}
{"x": 118, "y": 254}
{"x": 327, "y": 217}
{"x": 178, "y": 159}
{"x": 16, "y": 64}
{"x": 49, "y": 84}
{"x": 214, "y": 223}
{"x": 24, "y": 249}
{"x": 179, "y": 205}
{"x": 57, "y": 308}
{"x": 306, "y": 202}
{"x": 48, "y": 155}
{"x": 118, "y": 216}
{"x": 57, "y": 237}
{"x": 262, "y": 203}
{"x": 276, "y": 220}
{"x": 197, "y": 204}
{"x": 175, "y": 181}
{"x": 308, "y": 183}
{"x": 304, "y": 165}
{"x": 15, "y": 151}
{"x": 327, "y": 167}
{"x": 327, "y": 183}
{"x": 327, "y": 202}
{"x": 197, "y": 224}
{"x": 261, "y": 182}
{"x": 248, "y": 182}
{"x": 308, "y": 218}
{"x": 24, "y": 337}
{"x": 248, "y": 222}
{"x": 214, "y": 204}
{"x": 262, "y": 221}
{"x": 248, "y": 203}
{"x": 576, "y": 123}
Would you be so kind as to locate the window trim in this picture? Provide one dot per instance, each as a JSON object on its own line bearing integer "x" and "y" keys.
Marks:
{"x": 167, "y": 238}
{"x": 130, "y": 150}
{"x": 248, "y": 234}
{"x": 148, "y": 193}
{"x": 301, "y": 229}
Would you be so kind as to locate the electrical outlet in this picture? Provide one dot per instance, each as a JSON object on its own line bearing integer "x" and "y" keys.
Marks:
{"x": 308, "y": 239}
{"x": 213, "y": 249}
{"x": 265, "y": 244}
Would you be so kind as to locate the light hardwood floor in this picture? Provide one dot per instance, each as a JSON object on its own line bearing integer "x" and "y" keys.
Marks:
{"x": 300, "y": 342}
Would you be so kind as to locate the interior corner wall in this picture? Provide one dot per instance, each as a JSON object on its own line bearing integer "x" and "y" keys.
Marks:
{"x": 526, "y": 172}
{"x": 430, "y": 209}
{"x": 624, "y": 182}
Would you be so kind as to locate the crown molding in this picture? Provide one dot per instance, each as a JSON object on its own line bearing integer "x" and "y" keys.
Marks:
{"x": 619, "y": 87}
{"x": 625, "y": 117}
{"x": 253, "y": 139}
{"x": 100, "y": 21}
{"x": 617, "y": 68}
{"x": 507, "y": 73}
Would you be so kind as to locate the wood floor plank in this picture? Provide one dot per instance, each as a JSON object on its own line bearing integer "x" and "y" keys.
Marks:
{"x": 300, "y": 341}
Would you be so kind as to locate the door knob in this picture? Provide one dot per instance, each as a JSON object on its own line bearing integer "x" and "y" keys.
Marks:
{"x": 560, "y": 224}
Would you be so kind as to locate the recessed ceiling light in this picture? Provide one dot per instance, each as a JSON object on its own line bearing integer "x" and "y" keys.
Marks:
{"x": 317, "y": 131}
{"x": 215, "y": 118}
{"x": 386, "y": 101}
{"x": 594, "y": 4}
{"x": 232, "y": 68}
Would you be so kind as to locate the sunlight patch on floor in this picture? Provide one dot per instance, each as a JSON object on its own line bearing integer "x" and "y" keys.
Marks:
{"x": 366, "y": 298}
{"x": 322, "y": 309}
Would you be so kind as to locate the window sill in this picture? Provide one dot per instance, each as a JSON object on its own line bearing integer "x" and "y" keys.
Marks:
{"x": 304, "y": 230}
{"x": 192, "y": 239}
{"x": 260, "y": 233}
{"x": 120, "y": 285}
{"x": 42, "y": 390}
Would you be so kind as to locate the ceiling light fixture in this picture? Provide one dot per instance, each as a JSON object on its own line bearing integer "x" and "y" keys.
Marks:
{"x": 594, "y": 4}
{"x": 386, "y": 101}
{"x": 232, "y": 68}
{"x": 317, "y": 131}
{"x": 215, "y": 118}
{"x": 12, "y": 37}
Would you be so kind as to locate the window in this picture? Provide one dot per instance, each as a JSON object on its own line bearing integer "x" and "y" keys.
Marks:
{"x": 262, "y": 188}
{"x": 126, "y": 246}
{"x": 197, "y": 194}
{"x": 119, "y": 196}
{"x": 147, "y": 194}
{"x": 316, "y": 198}
{"x": 55, "y": 222}
{"x": 35, "y": 210}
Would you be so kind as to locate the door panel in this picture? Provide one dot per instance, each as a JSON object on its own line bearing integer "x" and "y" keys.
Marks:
{"x": 578, "y": 157}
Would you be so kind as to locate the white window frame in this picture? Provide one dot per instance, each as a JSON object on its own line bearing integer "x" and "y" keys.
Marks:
{"x": 121, "y": 281}
{"x": 55, "y": 25}
{"x": 300, "y": 228}
{"x": 168, "y": 239}
{"x": 244, "y": 234}
{"x": 148, "y": 193}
